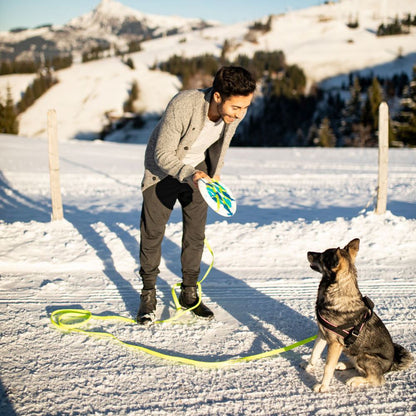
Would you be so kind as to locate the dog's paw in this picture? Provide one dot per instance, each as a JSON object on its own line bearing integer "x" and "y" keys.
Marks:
{"x": 307, "y": 366}
{"x": 320, "y": 388}
{"x": 356, "y": 381}
{"x": 342, "y": 366}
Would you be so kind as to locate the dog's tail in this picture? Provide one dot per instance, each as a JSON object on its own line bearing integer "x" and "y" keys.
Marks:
{"x": 402, "y": 358}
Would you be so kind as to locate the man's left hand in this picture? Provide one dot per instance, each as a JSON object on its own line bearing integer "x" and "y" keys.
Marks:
{"x": 199, "y": 175}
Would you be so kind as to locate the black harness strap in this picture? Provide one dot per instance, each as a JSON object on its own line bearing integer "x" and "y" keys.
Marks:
{"x": 348, "y": 331}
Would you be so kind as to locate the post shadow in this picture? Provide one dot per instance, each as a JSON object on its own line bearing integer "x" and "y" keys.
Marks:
{"x": 83, "y": 221}
{"x": 18, "y": 207}
{"x": 6, "y": 406}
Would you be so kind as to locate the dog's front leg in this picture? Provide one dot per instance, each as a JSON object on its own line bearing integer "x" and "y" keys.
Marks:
{"x": 317, "y": 350}
{"x": 334, "y": 352}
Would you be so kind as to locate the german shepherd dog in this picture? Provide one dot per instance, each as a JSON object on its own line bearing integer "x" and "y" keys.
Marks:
{"x": 347, "y": 323}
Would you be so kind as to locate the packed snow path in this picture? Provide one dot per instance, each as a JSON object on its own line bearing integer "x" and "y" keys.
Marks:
{"x": 261, "y": 287}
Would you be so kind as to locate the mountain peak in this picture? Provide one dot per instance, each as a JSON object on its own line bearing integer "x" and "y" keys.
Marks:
{"x": 116, "y": 9}
{"x": 107, "y": 11}
{"x": 111, "y": 15}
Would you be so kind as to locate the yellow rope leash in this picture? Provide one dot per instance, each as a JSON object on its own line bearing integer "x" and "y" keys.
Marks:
{"x": 72, "y": 319}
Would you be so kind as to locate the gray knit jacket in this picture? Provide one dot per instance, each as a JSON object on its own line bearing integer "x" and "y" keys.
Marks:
{"x": 174, "y": 135}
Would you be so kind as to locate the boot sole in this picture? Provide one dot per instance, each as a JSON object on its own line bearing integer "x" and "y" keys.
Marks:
{"x": 205, "y": 318}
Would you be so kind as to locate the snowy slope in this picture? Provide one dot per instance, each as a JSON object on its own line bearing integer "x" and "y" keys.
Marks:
{"x": 261, "y": 287}
{"x": 319, "y": 40}
{"x": 87, "y": 91}
{"x": 316, "y": 38}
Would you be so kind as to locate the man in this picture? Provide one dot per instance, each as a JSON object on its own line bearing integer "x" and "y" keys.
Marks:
{"x": 189, "y": 143}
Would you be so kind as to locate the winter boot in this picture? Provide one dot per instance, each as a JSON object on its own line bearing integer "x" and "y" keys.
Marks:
{"x": 147, "y": 310}
{"x": 189, "y": 298}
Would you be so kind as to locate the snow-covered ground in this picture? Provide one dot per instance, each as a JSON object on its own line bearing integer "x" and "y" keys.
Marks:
{"x": 261, "y": 288}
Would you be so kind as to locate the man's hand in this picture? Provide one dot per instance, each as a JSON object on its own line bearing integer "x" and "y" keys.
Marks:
{"x": 198, "y": 175}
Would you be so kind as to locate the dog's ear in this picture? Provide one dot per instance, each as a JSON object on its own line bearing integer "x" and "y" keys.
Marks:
{"x": 352, "y": 247}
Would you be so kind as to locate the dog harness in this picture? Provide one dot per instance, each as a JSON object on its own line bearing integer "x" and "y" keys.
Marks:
{"x": 348, "y": 332}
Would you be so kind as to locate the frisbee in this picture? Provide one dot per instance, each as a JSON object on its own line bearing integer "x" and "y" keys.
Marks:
{"x": 218, "y": 197}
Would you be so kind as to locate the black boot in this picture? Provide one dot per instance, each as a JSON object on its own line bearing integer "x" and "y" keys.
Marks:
{"x": 147, "y": 310}
{"x": 189, "y": 298}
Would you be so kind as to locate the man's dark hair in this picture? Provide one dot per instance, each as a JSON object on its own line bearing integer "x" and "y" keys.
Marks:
{"x": 233, "y": 80}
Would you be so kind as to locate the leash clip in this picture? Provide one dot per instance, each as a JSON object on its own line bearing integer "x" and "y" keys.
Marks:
{"x": 351, "y": 337}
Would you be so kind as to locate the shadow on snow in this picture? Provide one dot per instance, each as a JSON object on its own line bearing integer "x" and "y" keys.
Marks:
{"x": 257, "y": 311}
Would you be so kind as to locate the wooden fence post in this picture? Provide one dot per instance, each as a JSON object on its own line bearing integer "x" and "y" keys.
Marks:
{"x": 57, "y": 209}
{"x": 383, "y": 157}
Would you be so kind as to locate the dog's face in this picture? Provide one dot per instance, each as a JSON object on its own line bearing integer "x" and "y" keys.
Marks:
{"x": 331, "y": 260}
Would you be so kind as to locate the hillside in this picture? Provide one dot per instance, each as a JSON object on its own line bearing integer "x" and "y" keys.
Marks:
{"x": 317, "y": 39}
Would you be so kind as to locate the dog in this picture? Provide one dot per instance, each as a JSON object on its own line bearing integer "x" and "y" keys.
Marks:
{"x": 347, "y": 323}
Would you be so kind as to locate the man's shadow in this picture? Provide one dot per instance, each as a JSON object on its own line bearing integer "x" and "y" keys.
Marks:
{"x": 247, "y": 305}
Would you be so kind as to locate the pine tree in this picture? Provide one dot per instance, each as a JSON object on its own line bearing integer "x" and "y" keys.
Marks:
{"x": 406, "y": 120}
{"x": 326, "y": 135}
{"x": 133, "y": 96}
{"x": 130, "y": 63}
{"x": 8, "y": 117}
{"x": 1, "y": 116}
{"x": 352, "y": 112}
{"x": 369, "y": 115}
{"x": 226, "y": 47}
{"x": 375, "y": 95}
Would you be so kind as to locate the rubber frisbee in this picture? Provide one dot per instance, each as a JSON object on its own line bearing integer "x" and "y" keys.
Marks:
{"x": 218, "y": 197}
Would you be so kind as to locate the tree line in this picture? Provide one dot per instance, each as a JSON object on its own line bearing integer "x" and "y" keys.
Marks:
{"x": 397, "y": 27}
{"x": 32, "y": 66}
{"x": 288, "y": 115}
{"x": 8, "y": 67}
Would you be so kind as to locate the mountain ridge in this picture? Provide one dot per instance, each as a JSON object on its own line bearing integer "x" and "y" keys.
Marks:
{"x": 109, "y": 24}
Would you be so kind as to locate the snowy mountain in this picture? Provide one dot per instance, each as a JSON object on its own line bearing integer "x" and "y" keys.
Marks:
{"x": 110, "y": 24}
{"x": 112, "y": 16}
{"x": 318, "y": 39}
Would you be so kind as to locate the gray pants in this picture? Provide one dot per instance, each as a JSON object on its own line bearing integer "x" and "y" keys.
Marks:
{"x": 158, "y": 203}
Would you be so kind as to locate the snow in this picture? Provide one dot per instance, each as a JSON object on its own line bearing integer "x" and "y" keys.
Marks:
{"x": 86, "y": 92}
{"x": 290, "y": 200}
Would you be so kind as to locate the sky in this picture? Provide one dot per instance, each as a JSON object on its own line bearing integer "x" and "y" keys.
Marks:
{"x": 32, "y": 13}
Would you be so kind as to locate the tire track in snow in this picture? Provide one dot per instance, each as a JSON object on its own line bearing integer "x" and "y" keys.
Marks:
{"x": 275, "y": 290}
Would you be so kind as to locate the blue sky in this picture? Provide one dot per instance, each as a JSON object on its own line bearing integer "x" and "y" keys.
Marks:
{"x": 32, "y": 13}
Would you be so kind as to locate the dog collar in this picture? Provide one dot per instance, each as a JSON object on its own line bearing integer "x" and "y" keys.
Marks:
{"x": 348, "y": 331}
